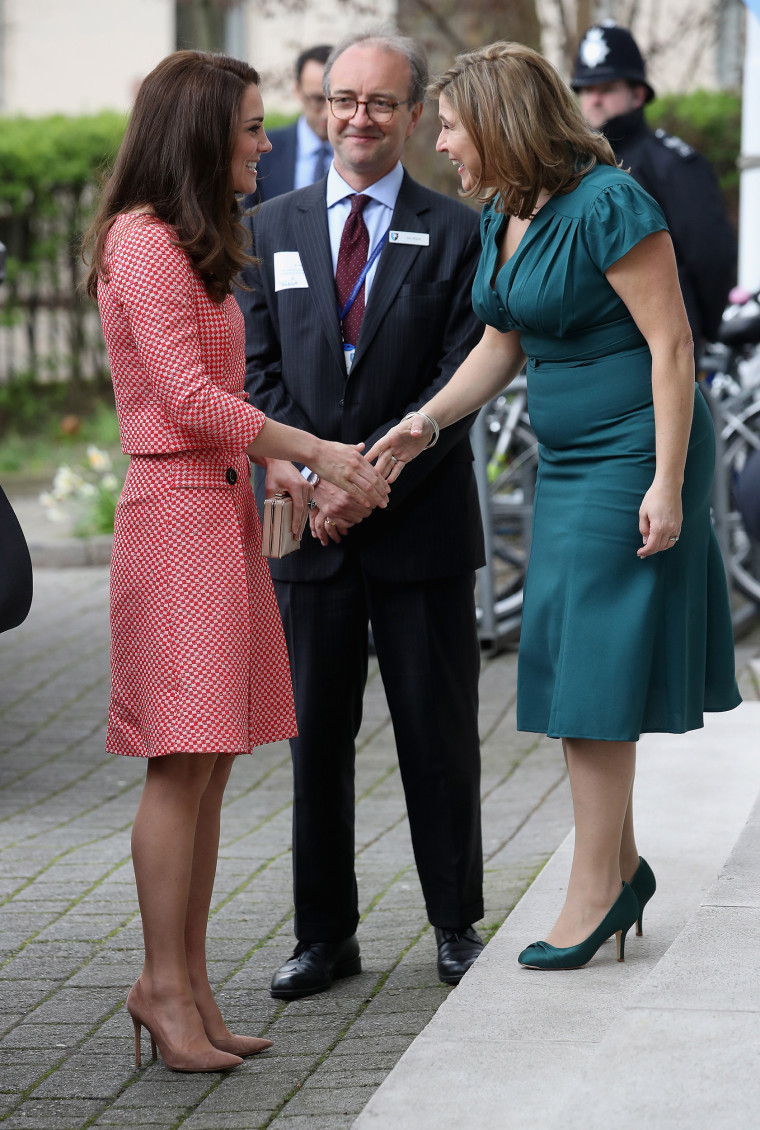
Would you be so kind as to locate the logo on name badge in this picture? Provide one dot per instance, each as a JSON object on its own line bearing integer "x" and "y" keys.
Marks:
{"x": 414, "y": 238}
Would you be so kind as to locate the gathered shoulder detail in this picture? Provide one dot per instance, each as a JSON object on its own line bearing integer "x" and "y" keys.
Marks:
{"x": 619, "y": 217}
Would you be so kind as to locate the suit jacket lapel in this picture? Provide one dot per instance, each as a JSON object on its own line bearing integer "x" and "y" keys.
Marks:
{"x": 394, "y": 263}
{"x": 313, "y": 246}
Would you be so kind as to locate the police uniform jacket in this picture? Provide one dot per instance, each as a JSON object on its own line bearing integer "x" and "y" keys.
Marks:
{"x": 684, "y": 185}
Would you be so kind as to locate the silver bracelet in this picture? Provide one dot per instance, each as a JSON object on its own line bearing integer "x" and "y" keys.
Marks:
{"x": 433, "y": 424}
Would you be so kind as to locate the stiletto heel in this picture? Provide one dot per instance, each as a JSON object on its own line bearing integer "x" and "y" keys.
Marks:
{"x": 142, "y": 1017}
{"x": 618, "y": 921}
{"x": 620, "y": 937}
{"x": 644, "y": 885}
{"x": 138, "y": 1030}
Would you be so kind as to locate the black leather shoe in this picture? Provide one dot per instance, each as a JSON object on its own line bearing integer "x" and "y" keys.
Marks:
{"x": 457, "y": 950}
{"x": 313, "y": 968}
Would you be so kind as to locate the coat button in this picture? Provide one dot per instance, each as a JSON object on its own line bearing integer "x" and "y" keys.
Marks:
{"x": 340, "y": 403}
{"x": 231, "y": 476}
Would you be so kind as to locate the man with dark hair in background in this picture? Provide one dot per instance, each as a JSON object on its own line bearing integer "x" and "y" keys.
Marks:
{"x": 301, "y": 153}
{"x": 611, "y": 83}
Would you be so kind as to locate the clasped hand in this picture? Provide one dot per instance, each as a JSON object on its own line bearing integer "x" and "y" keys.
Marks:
{"x": 400, "y": 445}
{"x": 349, "y": 490}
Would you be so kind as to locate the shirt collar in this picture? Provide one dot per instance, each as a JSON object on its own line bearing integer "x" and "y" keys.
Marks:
{"x": 385, "y": 190}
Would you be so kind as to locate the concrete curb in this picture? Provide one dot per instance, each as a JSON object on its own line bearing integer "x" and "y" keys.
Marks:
{"x": 656, "y": 1042}
{"x": 52, "y": 547}
{"x": 71, "y": 553}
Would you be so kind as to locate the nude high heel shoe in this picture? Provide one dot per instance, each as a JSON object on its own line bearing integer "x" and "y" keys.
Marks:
{"x": 240, "y": 1045}
{"x": 142, "y": 1017}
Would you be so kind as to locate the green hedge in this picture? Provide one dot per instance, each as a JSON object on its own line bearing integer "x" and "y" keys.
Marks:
{"x": 50, "y": 172}
{"x": 50, "y": 169}
{"x": 710, "y": 120}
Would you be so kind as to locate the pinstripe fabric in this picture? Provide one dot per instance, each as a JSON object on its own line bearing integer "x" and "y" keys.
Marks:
{"x": 417, "y": 327}
{"x": 408, "y": 569}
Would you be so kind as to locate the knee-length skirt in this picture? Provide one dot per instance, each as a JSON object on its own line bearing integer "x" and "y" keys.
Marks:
{"x": 198, "y": 656}
{"x": 612, "y": 645}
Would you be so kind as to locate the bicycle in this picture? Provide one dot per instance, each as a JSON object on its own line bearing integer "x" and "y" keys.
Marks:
{"x": 731, "y": 384}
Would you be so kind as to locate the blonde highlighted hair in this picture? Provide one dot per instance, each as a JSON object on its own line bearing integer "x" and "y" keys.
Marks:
{"x": 525, "y": 124}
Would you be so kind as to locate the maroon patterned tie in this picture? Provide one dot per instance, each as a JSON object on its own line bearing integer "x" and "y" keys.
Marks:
{"x": 352, "y": 255}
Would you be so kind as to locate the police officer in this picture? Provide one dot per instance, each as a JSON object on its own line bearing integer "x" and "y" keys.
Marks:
{"x": 610, "y": 79}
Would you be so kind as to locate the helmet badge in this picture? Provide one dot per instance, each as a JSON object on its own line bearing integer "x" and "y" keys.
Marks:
{"x": 594, "y": 49}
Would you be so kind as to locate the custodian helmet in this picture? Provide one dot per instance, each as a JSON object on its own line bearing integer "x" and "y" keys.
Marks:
{"x": 608, "y": 53}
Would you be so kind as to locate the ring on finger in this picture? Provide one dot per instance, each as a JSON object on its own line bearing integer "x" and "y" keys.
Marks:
{"x": 329, "y": 522}
{"x": 673, "y": 538}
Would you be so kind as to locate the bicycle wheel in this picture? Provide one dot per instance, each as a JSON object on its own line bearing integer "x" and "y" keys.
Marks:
{"x": 739, "y": 439}
{"x": 511, "y": 463}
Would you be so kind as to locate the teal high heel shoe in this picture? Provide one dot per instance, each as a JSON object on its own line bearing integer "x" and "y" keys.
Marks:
{"x": 618, "y": 920}
{"x": 644, "y": 885}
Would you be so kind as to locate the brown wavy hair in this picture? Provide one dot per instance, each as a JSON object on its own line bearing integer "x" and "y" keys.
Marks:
{"x": 176, "y": 160}
{"x": 525, "y": 124}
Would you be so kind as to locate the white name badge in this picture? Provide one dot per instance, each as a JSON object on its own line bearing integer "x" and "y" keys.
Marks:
{"x": 288, "y": 272}
{"x": 416, "y": 238}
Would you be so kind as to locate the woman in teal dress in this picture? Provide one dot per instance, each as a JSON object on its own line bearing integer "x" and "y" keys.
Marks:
{"x": 626, "y": 623}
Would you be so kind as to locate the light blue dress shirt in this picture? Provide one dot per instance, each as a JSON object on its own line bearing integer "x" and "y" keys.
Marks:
{"x": 307, "y": 147}
{"x": 377, "y": 212}
{"x": 377, "y": 215}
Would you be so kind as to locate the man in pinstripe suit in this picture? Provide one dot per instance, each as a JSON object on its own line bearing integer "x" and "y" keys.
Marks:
{"x": 408, "y": 569}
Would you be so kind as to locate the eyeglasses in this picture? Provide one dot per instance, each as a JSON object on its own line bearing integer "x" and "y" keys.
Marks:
{"x": 378, "y": 109}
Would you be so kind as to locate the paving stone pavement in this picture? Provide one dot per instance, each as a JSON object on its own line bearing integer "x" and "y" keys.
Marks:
{"x": 70, "y": 941}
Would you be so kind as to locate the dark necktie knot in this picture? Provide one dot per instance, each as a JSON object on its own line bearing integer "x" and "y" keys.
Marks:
{"x": 357, "y": 203}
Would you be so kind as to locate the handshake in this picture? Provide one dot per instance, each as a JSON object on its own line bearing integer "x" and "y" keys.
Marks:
{"x": 333, "y": 510}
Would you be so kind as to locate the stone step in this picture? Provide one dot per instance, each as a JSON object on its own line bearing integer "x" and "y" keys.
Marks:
{"x": 671, "y": 1037}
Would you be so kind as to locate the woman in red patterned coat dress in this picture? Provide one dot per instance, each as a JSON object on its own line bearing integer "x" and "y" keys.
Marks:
{"x": 199, "y": 664}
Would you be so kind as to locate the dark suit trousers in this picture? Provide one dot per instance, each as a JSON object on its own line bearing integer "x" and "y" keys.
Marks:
{"x": 427, "y": 648}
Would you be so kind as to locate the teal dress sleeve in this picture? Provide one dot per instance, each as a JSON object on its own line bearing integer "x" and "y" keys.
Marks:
{"x": 620, "y": 217}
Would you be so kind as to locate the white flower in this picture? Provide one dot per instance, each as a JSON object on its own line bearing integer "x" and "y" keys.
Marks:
{"x": 54, "y": 511}
{"x": 87, "y": 490}
{"x": 98, "y": 460}
{"x": 109, "y": 482}
{"x": 66, "y": 482}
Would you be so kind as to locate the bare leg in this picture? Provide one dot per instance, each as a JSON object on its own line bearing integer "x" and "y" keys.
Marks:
{"x": 205, "y": 853}
{"x": 601, "y": 780}
{"x": 163, "y": 839}
{"x": 629, "y": 853}
{"x": 199, "y": 901}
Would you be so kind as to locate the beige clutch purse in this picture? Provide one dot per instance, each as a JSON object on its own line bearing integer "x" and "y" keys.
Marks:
{"x": 276, "y": 530}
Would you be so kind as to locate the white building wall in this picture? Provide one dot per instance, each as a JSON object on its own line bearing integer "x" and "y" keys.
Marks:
{"x": 79, "y": 56}
{"x": 82, "y": 56}
{"x": 275, "y": 40}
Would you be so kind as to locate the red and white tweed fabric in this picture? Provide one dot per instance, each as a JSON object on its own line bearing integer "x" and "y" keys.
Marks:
{"x": 198, "y": 656}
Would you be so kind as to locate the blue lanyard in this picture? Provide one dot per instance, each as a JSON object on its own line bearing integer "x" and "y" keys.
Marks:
{"x": 365, "y": 271}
